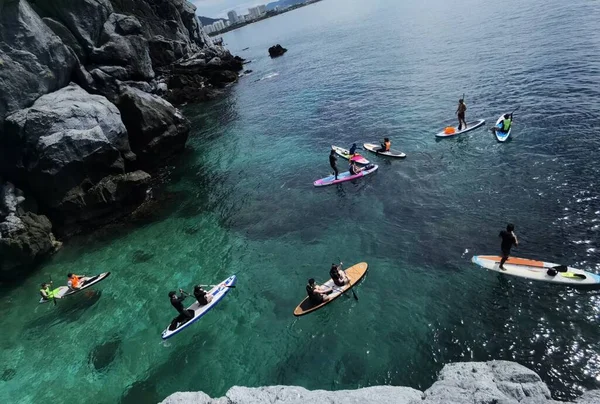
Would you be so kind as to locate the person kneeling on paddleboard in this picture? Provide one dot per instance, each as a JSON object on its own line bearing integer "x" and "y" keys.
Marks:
{"x": 508, "y": 240}
{"x": 74, "y": 281}
{"x": 460, "y": 111}
{"x": 177, "y": 302}
{"x": 385, "y": 146}
{"x": 333, "y": 163}
{"x": 504, "y": 126}
{"x": 202, "y": 295}
{"x": 46, "y": 293}
{"x": 317, "y": 294}
{"x": 338, "y": 275}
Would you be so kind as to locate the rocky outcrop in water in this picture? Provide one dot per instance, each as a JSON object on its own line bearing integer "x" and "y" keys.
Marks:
{"x": 276, "y": 51}
{"x": 458, "y": 383}
{"x": 82, "y": 111}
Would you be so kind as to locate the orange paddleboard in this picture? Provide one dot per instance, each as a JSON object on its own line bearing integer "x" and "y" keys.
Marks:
{"x": 355, "y": 273}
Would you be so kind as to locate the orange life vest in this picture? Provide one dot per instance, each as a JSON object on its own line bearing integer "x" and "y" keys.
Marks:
{"x": 74, "y": 281}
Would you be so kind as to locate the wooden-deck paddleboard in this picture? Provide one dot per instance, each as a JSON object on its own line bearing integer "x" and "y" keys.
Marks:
{"x": 355, "y": 273}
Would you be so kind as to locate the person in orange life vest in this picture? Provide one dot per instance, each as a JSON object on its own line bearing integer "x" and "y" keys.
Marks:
{"x": 385, "y": 146}
{"x": 75, "y": 281}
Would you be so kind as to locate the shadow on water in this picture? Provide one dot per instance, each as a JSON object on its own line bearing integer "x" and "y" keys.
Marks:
{"x": 104, "y": 354}
{"x": 8, "y": 374}
{"x": 68, "y": 310}
{"x": 141, "y": 256}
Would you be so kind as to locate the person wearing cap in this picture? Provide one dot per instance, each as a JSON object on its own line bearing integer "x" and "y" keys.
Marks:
{"x": 202, "y": 296}
{"x": 460, "y": 111}
{"x": 317, "y": 293}
{"x": 338, "y": 275}
{"x": 504, "y": 125}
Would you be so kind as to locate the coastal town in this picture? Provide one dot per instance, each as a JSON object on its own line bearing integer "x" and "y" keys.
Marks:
{"x": 257, "y": 13}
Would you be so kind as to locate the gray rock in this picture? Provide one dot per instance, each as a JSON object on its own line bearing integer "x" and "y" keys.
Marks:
{"x": 23, "y": 247}
{"x": 156, "y": 128}
{"x": 67, "y": 37}
{"x": 9, "y": 199}
{"x": 166, "y": 51}
{"x": 111, "y": 198}
{"x": 589, "y": 397}
{"x": 127, "y": 25}
{"x": 189, "y": 398}
{"x": 128, "y": 51}
{"x": 482, "y": 382}
{"x": 33, "y": 60}
{"x": 65, "y": 139}
{"x": 84, "y": 18}
{"x": 216, "y": 61}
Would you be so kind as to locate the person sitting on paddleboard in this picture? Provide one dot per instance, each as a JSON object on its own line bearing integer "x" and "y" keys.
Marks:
{"x": 75, "y": 281}
{"x": 460, "y": 111}
{"x": 46, "y": 293}
{"x": 504, "y": 126}
{"x": 333, "y": 163}
{"x": 385, "y": 146}
{"x": 177, "y": 302}
{"x": 202, "y": 295}
{"x": 508, "y": 240}
{"x": 354, "y": 169}
{"x": 338, "y": 275}
{"x": 317, "y": 293}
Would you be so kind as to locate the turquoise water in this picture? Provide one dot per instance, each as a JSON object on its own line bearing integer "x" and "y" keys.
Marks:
{"x": 240, "y": 200}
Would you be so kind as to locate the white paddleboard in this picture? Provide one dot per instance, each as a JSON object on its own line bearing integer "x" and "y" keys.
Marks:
{"x": 470, "y": 126}
{"x": 88, "y": 281}
{"x": 218, "y": 293}
{"x": 375, "y": 149}
{"x": 537, "y": 270}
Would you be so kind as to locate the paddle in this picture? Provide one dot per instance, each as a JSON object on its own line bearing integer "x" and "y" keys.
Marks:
{"x": 52, "y": 291}
{"x": 352, "y": 289}
{"x": 563, "y": 270}
{"x": 494, "y": 128}
{"x": 232, "y": 286}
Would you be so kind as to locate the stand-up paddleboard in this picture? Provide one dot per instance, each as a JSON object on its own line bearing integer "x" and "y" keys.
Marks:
{"x": 355, "y": 273}
{"x": 218, "y": 293}
{"x": 87, "y": 281}
{"x": 375, "y": 149}
{"x": 345, "y": 176}
{"x": 538, "y": 270}
{"x": 470, "y": 126}
{"x": 500, "y": 135}
{"x": 346, "y": 154}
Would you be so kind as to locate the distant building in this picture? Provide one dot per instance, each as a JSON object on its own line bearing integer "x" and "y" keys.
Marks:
{"x": 233, "y": 17}
{"x": 218, "y": 25}
{"x": 258, "y": 11}
{"x": 209, "y": 29}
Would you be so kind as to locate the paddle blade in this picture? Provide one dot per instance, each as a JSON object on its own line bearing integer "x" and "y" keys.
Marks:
{"x": 561, "y": 268}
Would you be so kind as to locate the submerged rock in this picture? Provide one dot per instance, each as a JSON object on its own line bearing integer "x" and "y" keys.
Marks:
{"x": 470, "y": 382}
{"x": 104, "y": 354}
{"x": 276, "y": 51}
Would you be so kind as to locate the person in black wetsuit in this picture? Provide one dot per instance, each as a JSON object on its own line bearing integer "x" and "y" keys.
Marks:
{"x": 352, "y": 149}
{"x": 508, "y": 240}
{"x": 177, "y": 302}
{"x": 202, "y": 295}
{"x": 333, "y": 163}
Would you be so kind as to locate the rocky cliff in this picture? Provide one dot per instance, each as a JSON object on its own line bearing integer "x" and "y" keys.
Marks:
{"x": 87, "y": 89}
{"x": 495, "y": 382}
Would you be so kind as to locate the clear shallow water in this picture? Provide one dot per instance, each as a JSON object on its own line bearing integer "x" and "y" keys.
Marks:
{"x": 241, "y": 201}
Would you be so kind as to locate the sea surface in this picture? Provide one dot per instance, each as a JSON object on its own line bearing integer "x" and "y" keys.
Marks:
{"x": 241, "y": 201}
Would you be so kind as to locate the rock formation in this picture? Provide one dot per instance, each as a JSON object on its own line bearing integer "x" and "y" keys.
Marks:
{"x": 82, "y": 113}
{"x": 277, "y": 50}
{"x": 458, "y": 383}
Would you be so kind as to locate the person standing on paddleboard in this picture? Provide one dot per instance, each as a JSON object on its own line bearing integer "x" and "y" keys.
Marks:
{"x": 460, "y": 111}
{"x": 333, "y": 163}
{"x": 508, "y": 240}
